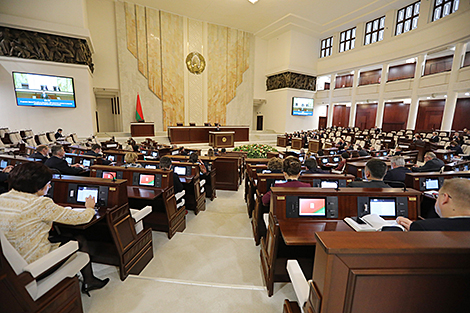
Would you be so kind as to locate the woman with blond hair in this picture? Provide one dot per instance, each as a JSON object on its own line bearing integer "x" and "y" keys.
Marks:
{"x": 131, "y": 160}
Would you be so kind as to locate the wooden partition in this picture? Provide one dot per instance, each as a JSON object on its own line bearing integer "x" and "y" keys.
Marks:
{"x": 429, "y": 115}
{"x": 462, "y": 112}
{"x": 365, "y": 115}
{"x": 395, "y": 116}
{"x": 390, "y": 272}
{"x": 200, "y": 134}
{"x": 341, "y": 115}
{"x": 402, "y": 71}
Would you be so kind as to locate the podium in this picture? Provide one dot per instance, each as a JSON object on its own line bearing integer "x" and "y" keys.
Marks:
{"x": 143, "y": 129}
{"x": 218, "y": 139}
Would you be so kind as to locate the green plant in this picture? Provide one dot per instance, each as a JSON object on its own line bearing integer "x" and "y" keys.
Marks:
{"x": 256, "y": 151}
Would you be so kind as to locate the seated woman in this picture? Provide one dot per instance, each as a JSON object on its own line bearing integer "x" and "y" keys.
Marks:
{"x": 274, "y": 166}
{"x": 26, "y": 218}
{"x": 291, "y": 170}
{"x": 131, "y": 160}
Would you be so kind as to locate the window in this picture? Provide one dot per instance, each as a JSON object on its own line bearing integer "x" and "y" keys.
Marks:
{"x": 326, "y": 45}
{"x": 407, "y": 18}
{"x": 374, "y": 30}
{"x": 443, "y": 8}
{"x": 347, "y": 39}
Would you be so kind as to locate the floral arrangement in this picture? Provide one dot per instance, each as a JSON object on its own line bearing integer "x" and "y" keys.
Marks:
{"x": 255, "y": 151}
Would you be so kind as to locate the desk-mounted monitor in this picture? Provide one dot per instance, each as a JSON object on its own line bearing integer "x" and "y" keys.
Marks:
{"x": 385, "y": 207}
{"x": 384, "y": 153}
{"x": 304, "y": 206}
{"x": 302, "y": 106}
{"x": 154, "y": 154}
{"x": 111, "y": 158}
{"x": 69, "y": 160}
{"x": 431, "y": 184}
{"x": 176, "y": 152}
{"x": 147, "y": 180}
{"x": 281, "y": 156}
{"x": 144, "y": 152}
{"x": 86, "y": 162}
{"x": 150, "y": 166}
{"x": 329, "y": 184}
{"x": 451, "y": 155}
{"x": 39, "y": 90}
{"x": 3, "y": 163}
{"x": 109, "y": 175}
{"x": 324, "y": 160}
{"x": 465, "y": 167}
{"x": 446, "y": 157}
{"x": 180, "y": 170}
{"x": 332, "y": 152}
{"x": 85, "y": 191}
{"x": 301, "y": 159}
{"x": 336, "y": 159}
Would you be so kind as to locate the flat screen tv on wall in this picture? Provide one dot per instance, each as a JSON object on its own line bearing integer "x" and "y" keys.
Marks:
{"x": 38, "y": 90}
{"x": 302, "y": 106}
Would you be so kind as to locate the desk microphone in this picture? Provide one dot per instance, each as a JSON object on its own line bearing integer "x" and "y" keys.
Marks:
{"x": 114, "y": 176}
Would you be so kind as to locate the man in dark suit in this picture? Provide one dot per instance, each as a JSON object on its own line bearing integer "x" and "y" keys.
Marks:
{"x": 57, "y": 162}
{"x": 433, "y": 164}
{"x": 452, "y": 205}
{"x": 398, "y": 171}
{"x": 418, "y": 140}
{"x": 454, "y": 146}
{"x": 434, "y": 138}
{"x": 96, "y": 152}
{"x": 362, "y": 152}
{"x": 42, "y": 153}
{"x": 375, "y": 171}
{"x": 4, "y": 178}
{"x": 58, "y": 134}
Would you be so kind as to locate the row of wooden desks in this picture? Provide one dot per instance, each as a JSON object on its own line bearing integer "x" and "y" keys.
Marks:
{"x": 200, "y": 134}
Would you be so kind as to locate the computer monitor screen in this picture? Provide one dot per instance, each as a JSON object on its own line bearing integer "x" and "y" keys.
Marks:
{"x": 324, "y": 160}
{"x": 312, "y": 207}
{"x": 329, "y": 184}
{"x": 109, "y": 175}
{"x": 180, "y": 170}
{"x": 280, "y": 181}
{"x": 153, "y": 167}
{"x": 144, "y": 152}
{"x": 155, "y": 154}
{"x": 175, "y": 152}
{"x": 465, "y": 167}
{"x": 281, "y": 156}
{"x": 86, "y": 162}
{"x": 432, "y": 183}
{"x": 302, "y": 106}
{"x": 111, "y": 158}
{"x": 335, "y": 159}
{"x": 451, "y": 155}
{"x": 85, "y": 191}
{"x": 332, "y": 152}
{"x": 383, "y": 206}
{"x": 384, "y": 153}
{"x": 301, "y": 159}
{"x": 69, "y": 160}
{"x": 446, "y": 156}
{"x": 146, "y": 180}
{"x": 3, "y": 163}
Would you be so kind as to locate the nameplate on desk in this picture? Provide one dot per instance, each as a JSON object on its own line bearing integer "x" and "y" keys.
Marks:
{"x": 164, "y": 175}
{"x": 412, "y": 198}
{"x": 281, "y": 198}
{"x": 112, "y": 189}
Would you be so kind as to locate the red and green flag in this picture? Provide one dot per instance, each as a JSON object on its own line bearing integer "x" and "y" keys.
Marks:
{"x": 139, "y": 115}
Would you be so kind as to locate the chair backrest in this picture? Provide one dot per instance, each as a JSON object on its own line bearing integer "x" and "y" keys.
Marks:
{"x": 43, "y": 139}
{"x": 17, "y": 262}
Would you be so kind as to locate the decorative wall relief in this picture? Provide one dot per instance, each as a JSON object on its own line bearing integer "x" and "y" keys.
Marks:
{"x": 40, "y": 46}
{"x": 161, "y": 59}
{"x": 291, "y": 80}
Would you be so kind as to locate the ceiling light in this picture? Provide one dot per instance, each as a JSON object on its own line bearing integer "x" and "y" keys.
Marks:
{"x": 253, "y": 1}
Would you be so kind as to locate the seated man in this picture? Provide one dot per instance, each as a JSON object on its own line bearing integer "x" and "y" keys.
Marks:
{"x": 375, "y": 172}
{"x": 452, "y": 205}
{"x": 165, "y": 164}
{"x": 96, "y": 152}
{"x": 398, "y": 171}
{"x": 433, "y": 164}
{"x": 362, "y": 152}
{"x": 291, "y": 170}
{"x": 42, "y": 153}
{"x": 57, "y": 162}
{"x": 4, "y": 178}
{"x": 313, "y": 168}
{"x": 58, "y": 134}
{"x": 434, "y": 138}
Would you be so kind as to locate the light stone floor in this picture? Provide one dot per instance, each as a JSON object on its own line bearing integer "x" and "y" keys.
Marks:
{"x": 213, "y": 266}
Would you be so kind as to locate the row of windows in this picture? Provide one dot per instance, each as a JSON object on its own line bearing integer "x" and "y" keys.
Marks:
{"x": 407, "y": 19}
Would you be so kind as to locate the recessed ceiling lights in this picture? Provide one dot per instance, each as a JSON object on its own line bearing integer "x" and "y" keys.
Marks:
{"x": 253, "y": 1}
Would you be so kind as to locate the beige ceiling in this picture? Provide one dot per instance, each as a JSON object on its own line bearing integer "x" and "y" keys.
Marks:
{"x": 268, "y": 18}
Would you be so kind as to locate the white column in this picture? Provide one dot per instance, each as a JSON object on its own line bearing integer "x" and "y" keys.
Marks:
{"x": 413, "y": 114}
{"x": 352, "y": 113}
{"x": 452, "y": 95}
{"x": 329, "y": 120}
{"x": 381, "y": 105}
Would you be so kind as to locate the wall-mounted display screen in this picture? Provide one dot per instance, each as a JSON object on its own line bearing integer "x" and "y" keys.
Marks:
{"x": 302, "y": 106}
{"x": 40, "y": 90}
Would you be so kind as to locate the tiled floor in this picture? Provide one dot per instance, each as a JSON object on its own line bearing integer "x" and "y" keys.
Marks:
{"x": 213, "y": 266}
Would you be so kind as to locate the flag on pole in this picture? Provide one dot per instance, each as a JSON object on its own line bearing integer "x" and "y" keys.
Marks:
{"x": 139, "y": 116}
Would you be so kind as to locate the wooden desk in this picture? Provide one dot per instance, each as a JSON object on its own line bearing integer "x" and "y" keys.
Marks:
{"x": 143, "y": 129}
{"x": 314, "y": 145}
{"x": 357, "y": 168}
{"x": 143, "y": 193}
{"x": 330, "y": 151}
{"x": 389, "y": 272}
{"x": 221, "y": 139}
{"x": 303, "y": 232}
{"x": 444, "y": 155}
{"x": 200, "y": 134}
{"x": 297, "y": 143}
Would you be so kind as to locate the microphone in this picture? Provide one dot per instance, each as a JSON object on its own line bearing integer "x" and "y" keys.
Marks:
{"x": 114, "y": 177}
{"x": 396, "y": 182}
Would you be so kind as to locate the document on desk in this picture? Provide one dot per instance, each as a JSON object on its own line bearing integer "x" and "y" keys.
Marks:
{"x": 373, "y": 222}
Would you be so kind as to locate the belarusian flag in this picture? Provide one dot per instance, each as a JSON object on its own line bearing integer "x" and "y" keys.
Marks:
{"x": 139, "y": 116}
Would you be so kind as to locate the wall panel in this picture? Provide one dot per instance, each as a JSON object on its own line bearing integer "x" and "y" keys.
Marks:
{"x": 140, "y": 22}
{"x": 462, "y": 114}
{"x": 341, "y": 115}
{"x": 395, "y": 116}
{"x": 195, "y": 82}
{"x": 131, "y": 28}
{"x": 429, "y": 115}
{"x": 154, "y": 52}
{"x": 365, "y": 115}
